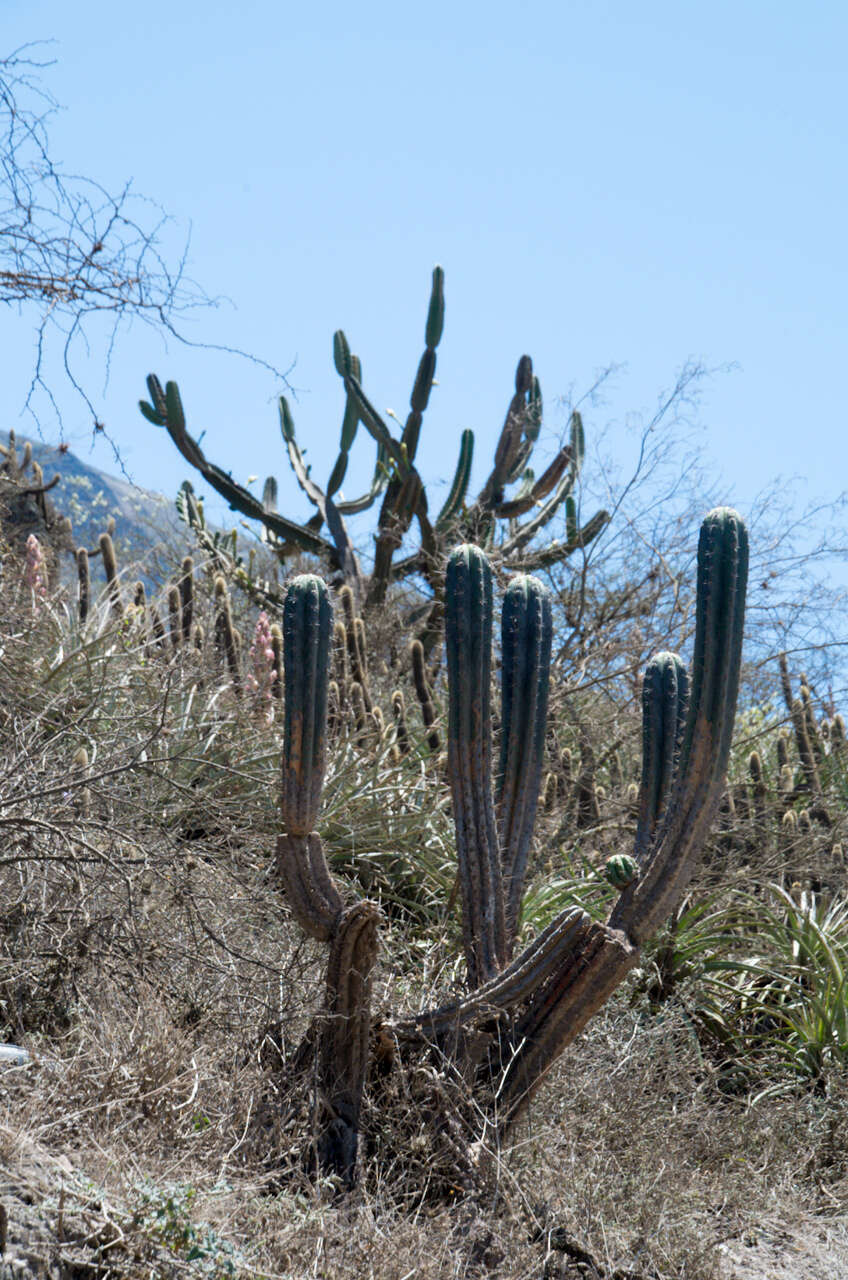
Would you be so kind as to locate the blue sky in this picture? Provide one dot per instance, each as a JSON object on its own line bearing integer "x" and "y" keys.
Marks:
{"x": 602, "y": 182}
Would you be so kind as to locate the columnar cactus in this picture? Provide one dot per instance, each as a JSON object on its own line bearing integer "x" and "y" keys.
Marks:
{"x": 110, "y": 568}
{"x": 519, "y": 1013}
{"x": 311, "y": 892}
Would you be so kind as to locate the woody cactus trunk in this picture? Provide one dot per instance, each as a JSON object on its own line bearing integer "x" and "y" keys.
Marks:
{"x": 520, "y": 1012}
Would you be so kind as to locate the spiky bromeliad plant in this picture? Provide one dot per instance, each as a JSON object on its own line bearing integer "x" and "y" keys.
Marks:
{"x": 521, "y": 1011}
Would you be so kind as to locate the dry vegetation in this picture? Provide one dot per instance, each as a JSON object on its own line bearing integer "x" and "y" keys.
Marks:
{"x": 149, "y": 964}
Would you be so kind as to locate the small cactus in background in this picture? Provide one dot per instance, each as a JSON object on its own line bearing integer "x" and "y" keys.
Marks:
{"x": 84, "y": 577}
{"x": 226, "y": 640}
{"x": 110, "y": 568}
{"x": 175, "y": 617}
{"x": 263, "y": 668}
{"x": 35, "y": 572}
{"x": 424, "y": 695}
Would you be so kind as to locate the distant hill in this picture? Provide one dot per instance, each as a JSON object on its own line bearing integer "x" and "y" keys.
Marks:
{"x": 89, "y": 496}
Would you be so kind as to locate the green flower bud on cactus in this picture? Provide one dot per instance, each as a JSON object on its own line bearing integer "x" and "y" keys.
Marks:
{"x": 620, "y": 870}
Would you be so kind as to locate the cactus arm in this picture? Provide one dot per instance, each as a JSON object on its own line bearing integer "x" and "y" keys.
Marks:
{"x": 373, "y": 423}
{"x": 314, "y": 900}
{"x": 307, "y": 633}
{"x": 378, "y": 484}
{"x": 545, "y": 513}
{"x": 509, "y": 442}
{"x": 556, "y": 551}
{"x": 344, "y": 1043}
{"x": 524, "y": 502}
{"x": 459, "y": 487}
{"x": 350, "y": 423}
{"x": 468, "y": 640}
{"x": 705, "y": 748}
{"x": 405, "y": 491}
{"x": 526, "y": 635}
{"x": 512, "y": 987}
{"x": 665, "y": 694}
{"x": 329, "y": 512}
{"x": 313, "y": 491}
{"x": 166, "y": 411}
{"x": 596, "y": 963}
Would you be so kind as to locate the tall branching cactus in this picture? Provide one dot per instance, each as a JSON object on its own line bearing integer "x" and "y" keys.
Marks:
{"x": 492, "y": 520}
{"x": 520, "y": 1012}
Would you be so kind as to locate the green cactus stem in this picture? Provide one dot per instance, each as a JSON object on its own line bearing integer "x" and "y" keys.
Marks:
{"x": 705, "y": 746}
{"x": 307, "y": 631}
{"x": 468, "y": 641}
{"x": 665, "y": 695}
{"x": 277, "y": 649}
{"x": 526, "y": 635}
{"x": 405, "y": 492}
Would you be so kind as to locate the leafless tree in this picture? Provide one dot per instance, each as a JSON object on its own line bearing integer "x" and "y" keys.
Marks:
{"x": 72, "y": 251}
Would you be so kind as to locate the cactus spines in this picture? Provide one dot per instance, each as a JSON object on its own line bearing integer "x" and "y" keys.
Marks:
{"x": 705, "y": 746}
{"x": 665, "y": 694}
{"x": 468, "y": 641}
{"x": 526, "y": 635}
{"x": 459, "y": 487}
{"x": 307, "y": 630}
{"x": 424, "y": 696}
{"x": 84, "y": 578}
{"x": 110, "y": 568}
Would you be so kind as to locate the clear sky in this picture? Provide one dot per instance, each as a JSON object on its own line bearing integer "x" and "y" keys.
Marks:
{"x": 602, "y": 182}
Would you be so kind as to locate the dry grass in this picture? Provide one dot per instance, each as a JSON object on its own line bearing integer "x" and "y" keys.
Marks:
{"x": 148, "y": 962}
